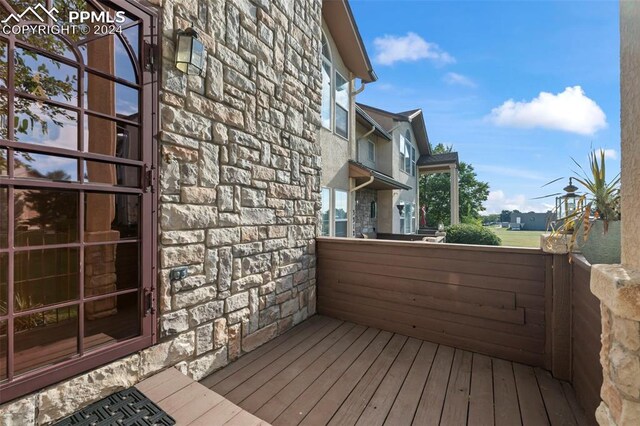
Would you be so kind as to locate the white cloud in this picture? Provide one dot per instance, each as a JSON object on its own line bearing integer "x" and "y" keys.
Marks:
{"x": 569, "y": 111}
{"x": 410, "y": 48}
{"x": 611, "y": 154}
{"x": 458, "y": 79}
{"x": 498, "y": 201}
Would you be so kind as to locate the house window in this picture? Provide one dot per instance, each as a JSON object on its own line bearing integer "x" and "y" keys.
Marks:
{"x": 342, "y": 106}
{"x": 336, "y": 96}
{"x": 326, "y": 84}
{"x": 340, "y": 213}
{"x": 408, "y": 218}
{"x": 374, "y": 210}
{"x": 325, "y": 212}
{"x": 76, "y": 234}
{"x": 407, "y": 154}
{"x": 371, "y": 151}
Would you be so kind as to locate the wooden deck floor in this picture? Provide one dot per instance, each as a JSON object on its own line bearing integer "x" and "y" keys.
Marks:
{"x": 325, "y": 371}
{"x": 191, "y": 404}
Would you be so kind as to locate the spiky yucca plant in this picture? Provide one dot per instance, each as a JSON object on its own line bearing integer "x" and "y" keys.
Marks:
{"x": 601, "y": 200}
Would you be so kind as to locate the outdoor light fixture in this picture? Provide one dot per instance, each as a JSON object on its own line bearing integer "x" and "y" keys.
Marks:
{"x": 566, "y": 204}
{"x": 400, "y": 208}
{"x": 189, "y": 52}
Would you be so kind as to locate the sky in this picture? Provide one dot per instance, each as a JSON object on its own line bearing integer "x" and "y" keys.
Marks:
{"x": 519, "y": 88}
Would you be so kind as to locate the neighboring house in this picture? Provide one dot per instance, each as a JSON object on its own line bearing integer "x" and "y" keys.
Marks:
{"x": 343, "y": 60}
{"x": 393, "y": 150}
{"x": 531, "y": 221}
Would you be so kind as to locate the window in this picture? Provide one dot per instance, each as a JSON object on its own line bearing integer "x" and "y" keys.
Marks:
{"x": 341, "y": 211}
{"x": 76, "y": 274}
{"x": 326, "y": 84}
{"x": 342, "y": 106}
{"x": 374, "y": 210}
{"x": 408, "y": 218}
{"x": 325, "y": 212}
{"x": 336, "y": 95}
{"x": 371, "y": 151}
{"x": 407, "y": 154}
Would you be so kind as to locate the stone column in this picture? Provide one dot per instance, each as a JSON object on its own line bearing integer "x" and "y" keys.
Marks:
{"x": 618, "y": 286}
{"x": 455, "y": 203}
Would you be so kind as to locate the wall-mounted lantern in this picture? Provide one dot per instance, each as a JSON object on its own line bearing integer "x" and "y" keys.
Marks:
{"x": 400, "y": 208}
{"x": 189, "y": 52}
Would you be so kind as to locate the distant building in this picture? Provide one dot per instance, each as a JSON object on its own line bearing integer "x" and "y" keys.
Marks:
{"x": 531, "y": 221}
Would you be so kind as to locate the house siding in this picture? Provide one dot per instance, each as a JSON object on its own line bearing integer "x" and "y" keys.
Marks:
{"x": 239, "y": 192}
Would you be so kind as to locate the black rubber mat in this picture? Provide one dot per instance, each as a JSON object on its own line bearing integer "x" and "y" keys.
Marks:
{"x": 127, "y": 407}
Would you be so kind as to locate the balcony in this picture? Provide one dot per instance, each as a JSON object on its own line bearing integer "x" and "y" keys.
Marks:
{"x": 426, "y": 334}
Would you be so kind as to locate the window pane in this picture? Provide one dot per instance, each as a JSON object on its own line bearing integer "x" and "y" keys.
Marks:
{"x": 372, "y": 151}
{"x": 407, "y": 158}
{"x": 4, "y": 217}
{"x": 342, "y": 122}
{"x": 3, "y": 161}
{"x": 109, "y": 55}
{"x": 45, "y": 217}
{"x": 108, "y": 97}
{"x": 326, "y": 95}
{"x": 326, "y": 211}
{"x": 112, "y": 174}
{"x": 4, "y": 296}
{"x": 111, "y": 320}
{"x": 41, "y": 76}
{"x": 45, "y": 338}
{"x": 326, "y": 52}
{"x": 113, "y": 138}
{"x": 44, "y": 124}
{"x": 45, "y": 277}
{"x": 110, "y": 268}
{"x": 3, "y": 349}
{"x": 340, "y": 213}
{"x": 402, "y": 146}
{"x": 41, "y": 166}
{"x": 115, "y": 214}
{"x": 342, "y": 92}
{"x": 3, "y": 64}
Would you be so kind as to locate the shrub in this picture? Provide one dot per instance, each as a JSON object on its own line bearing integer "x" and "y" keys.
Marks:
{"x": 472, "y": 234}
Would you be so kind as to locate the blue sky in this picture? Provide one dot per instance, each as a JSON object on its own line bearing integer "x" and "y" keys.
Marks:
{"x": 462, "y": 62}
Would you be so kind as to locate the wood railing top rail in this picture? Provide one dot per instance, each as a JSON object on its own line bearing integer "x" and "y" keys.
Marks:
{"x": 427, "y": 245}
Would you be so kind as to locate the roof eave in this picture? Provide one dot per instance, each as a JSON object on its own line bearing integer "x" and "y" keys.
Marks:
{"x": 339, "y": 18}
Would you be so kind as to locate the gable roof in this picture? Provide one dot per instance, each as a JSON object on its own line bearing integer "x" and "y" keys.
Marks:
{"x": 415, "y": 117}
{"x": 339, "y": 18}
{"x": 362, "y": 116}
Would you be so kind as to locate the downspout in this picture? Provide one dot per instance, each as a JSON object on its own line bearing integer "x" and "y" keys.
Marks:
{"x": 360, "y": 89}
{"x": 371, "y": 179}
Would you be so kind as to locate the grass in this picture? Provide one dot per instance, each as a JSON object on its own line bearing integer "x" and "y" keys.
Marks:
{"x": 518, "y": 238}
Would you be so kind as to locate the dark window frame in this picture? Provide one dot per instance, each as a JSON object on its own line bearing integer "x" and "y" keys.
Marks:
{"x": 13, "y": 386}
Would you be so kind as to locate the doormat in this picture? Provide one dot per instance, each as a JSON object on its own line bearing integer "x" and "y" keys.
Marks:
{"x": 127, "y": 407}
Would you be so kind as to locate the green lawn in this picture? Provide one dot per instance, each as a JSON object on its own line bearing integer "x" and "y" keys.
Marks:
{"x": 518, "y": 238}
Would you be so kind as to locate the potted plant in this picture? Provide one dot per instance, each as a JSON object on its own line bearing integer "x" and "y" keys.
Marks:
{"x": 594, "y": 224}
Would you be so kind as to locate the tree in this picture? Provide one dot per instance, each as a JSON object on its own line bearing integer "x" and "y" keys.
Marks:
{"x": 435, "y": 193}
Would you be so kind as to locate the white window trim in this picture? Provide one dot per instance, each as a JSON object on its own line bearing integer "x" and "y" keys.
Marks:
{"x": 370, "y": 143}
{"x": 333, "y": 212}
{"x": 335, "y": 104}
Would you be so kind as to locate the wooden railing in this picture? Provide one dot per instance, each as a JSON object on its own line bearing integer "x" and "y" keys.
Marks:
{"x": 483, "y": 299}
{"x": 520, "y": 304}
{"x": 586, "y": 327}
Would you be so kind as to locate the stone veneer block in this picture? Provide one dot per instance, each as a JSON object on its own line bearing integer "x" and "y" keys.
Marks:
{"x": 618, "y": 288}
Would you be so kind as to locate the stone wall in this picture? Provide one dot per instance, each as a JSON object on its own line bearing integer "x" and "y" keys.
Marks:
{"x": 363, "y": 222}
{"x": 618, "y": 286}
{"x": 239, "y": 191}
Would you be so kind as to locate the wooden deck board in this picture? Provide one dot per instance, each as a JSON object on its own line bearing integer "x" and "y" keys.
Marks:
{"x": 330, "y": 372}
